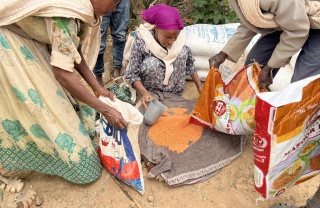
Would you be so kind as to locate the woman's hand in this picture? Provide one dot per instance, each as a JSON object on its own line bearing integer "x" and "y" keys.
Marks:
{"x": 106, "y": 93}
{"x": 217, "y": 59}
{"x": 197, "y": 81}
{"x": 199, "y": 89}
{"x": 115, "y": 118}
{"x": 265, "y": 78}
{"x": 146, "y": 98}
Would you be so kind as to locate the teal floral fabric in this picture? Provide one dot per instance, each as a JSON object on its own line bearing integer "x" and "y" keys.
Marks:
{"x": 39, "y": 127}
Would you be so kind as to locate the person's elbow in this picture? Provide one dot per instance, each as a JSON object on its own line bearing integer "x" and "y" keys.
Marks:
{"x": 60, "y": 75}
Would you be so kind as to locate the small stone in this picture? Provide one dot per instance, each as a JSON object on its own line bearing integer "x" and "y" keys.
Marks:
{"x": 150, "y": 198}
{"x": 133, "y": 205}
{"x": 39, "y": 201}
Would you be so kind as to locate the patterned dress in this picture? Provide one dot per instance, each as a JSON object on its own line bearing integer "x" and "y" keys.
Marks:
{"x": 150, "y": 70}
{"x": 39, "y": 128}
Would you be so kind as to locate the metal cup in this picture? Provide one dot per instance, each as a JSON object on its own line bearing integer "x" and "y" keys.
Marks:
{"x": 154, "y": 111}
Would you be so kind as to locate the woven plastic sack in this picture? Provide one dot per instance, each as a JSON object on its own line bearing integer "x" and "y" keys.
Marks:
{"x": 119, "y": 149}
{"x": 228, "y": 106}
{"x": 287, "y": 137}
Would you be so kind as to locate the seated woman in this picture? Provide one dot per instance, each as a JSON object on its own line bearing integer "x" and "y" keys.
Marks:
{"x": 44, "y": 50}
{"x": 157, "y": 54}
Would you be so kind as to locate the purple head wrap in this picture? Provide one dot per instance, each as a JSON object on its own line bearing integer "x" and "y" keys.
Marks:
{"x": 163, "y": 16}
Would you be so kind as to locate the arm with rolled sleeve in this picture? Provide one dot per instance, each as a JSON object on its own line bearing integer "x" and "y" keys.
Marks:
{"x": 294, "y": 22}
{"x": 237, "y": 44}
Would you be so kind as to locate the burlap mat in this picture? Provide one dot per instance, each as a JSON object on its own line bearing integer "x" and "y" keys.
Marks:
{"x": 200, "y": 160}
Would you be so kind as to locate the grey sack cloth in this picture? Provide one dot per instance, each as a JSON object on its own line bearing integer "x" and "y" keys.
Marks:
{"x": 200, "y": 160}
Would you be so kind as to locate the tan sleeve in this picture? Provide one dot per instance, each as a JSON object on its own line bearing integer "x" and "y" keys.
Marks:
{"x": 63, "y": 34}
{"x": 293, "y": 20}
{"x": 237, "y": 44}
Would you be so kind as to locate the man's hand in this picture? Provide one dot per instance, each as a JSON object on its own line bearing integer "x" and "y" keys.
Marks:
{"x": 217, "y": 59}
{"x": 265, "y": 77}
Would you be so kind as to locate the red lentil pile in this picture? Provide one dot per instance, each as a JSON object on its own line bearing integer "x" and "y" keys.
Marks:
{"x": 174, "y": 131}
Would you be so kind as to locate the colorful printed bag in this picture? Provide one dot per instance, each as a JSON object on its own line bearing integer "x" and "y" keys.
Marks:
{"x": 119, "y": 149}
{"x": 287, "y": 137}
{"x": 228, "y": 106}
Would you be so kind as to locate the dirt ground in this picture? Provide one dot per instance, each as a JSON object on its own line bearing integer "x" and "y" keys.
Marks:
{"x": 231, "y": 187}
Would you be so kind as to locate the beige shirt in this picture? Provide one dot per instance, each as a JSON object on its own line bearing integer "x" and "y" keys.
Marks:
{"x": 292, "y": 20}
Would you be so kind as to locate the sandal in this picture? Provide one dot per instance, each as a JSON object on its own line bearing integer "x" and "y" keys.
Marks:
{"x": 25, "y": 200}
{"x": 11, "y": 184}
{"x": 148, "y": 164}
{"x": 117, "y": 80}
{"x": 116, "y": 76}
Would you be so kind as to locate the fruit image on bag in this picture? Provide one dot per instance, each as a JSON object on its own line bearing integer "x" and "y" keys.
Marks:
{"x": 228, "y": 106}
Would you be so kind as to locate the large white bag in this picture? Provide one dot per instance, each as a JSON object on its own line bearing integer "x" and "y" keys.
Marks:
{"x": 206, "y": 40}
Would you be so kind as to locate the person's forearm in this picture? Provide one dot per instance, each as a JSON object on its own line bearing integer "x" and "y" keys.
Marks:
{"x": 73, "y": 85}
{"x": 195, "y": 78}
{"x": 238, "y": 43}
{"x": 139, "y": 86}
{"x": 87, "y": 74}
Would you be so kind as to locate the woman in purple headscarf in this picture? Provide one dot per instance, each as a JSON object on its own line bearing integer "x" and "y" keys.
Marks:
{"x": 157, "y": 56}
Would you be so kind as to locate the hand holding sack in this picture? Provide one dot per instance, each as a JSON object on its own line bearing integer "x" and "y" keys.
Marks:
{"x": 228, "y": 106}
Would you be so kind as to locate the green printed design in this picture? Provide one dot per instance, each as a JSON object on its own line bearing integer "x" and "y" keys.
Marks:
{"x": 28, "y": 55}
{"x": 87, "y": 111}
{"x": 87, "y": 170}
{"x": 246, "y": 103}
{"x": 3, "y": 42}
{"x": 19, "y": 94}
{"x": 60, "y": 94}
{"x": 35, "y": 97}
{"x": 247, "y": 114}
{"x": 14, "y": 129}
{"x": 64, "y": 141}
{"x": 234, "y": 112}
{"x": 63, "y": 23}
{"x": 38, "y": 132}
{"x": 82, "y": 128}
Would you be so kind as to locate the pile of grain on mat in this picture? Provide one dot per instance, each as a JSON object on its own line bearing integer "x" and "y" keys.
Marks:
{"x": 174, "y": 131}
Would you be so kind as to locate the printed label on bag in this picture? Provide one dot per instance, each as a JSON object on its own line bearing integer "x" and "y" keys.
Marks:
{"x": 287, "y": 140}
{"x": 117, "y": 155}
